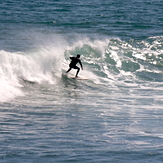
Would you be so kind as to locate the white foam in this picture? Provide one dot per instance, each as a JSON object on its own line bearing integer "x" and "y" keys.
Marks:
{"x": 36, "y": 66}
{"x": 9, "y": 84}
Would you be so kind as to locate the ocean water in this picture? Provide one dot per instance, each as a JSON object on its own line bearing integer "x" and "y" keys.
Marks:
{"x": 115, "y": 116}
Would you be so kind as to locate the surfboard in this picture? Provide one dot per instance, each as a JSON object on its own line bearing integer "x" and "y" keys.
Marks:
{"x": 77, "y": 78}
{"x": 70, "y": 76}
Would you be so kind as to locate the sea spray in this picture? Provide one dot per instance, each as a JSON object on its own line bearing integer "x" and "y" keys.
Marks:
{"x": 34, "y": 67}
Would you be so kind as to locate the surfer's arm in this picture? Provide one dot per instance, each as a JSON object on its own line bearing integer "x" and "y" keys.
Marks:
{"x": 81, "y": 64}
{"x": 72, "y": 58}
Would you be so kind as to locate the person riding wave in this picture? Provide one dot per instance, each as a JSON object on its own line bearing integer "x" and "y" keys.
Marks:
{"x": 74, "y": 61}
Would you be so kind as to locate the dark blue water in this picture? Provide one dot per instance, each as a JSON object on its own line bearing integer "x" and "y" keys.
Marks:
{"x": 113, "y": 116}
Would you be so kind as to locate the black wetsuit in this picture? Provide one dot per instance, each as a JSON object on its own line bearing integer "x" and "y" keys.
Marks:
{"x": 74, "y": 61}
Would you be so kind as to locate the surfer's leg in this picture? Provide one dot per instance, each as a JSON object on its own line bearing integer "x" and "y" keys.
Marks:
{"x": 68, "y": 69}
{"x": 77, "y": 71}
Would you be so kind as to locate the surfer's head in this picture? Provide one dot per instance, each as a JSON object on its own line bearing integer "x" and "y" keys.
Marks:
{"x": 78, "y": 56}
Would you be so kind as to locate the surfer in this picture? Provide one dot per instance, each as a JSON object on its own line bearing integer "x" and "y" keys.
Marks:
{"x": 74, "y": 61}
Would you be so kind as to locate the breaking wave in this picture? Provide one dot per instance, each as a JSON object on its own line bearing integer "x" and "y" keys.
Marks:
{"x": 104, "y": 60}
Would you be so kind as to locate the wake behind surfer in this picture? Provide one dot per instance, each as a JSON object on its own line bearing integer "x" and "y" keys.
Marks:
{"x": 74, "y": 61}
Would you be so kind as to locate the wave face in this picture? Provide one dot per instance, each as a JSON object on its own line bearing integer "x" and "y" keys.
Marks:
{"x": 105, "y": 60}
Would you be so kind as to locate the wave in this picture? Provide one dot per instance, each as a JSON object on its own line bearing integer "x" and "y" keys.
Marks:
{"x": 115, "y": 58}
{"x": 105, "y": 60}
{"x": 18, "y": 68}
